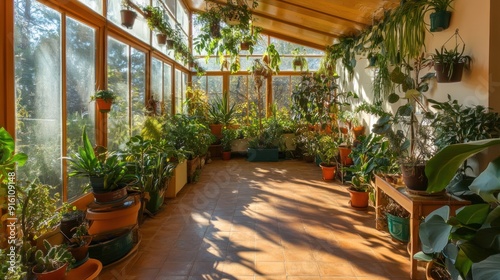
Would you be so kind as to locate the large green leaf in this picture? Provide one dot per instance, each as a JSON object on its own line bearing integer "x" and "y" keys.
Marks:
{"x": 473, "y": 214}
{"x": 441, "y": 168}
{"x": 487, "y": 269}
{"x": 487, "y": 184}
{"x": 463, "y": 263}
{"x": 434, "y": 234}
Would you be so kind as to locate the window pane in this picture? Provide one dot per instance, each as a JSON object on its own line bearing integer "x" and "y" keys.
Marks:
{"x": 178, "y": 92}
{"x": 95, "y": 5}
{"x": 80, "y": 81}
{"x": 238, "y": 93}
{"x": 214, "y": 87}
{"x": 281, "y": 92}
{"x": 140, "y": 28}
{"x": 37, "y": 48}
{"x": 118, "y": 117}
{"x": 167, "y": 89}
{"x": 157, "y": 83}
{"x": 138, "y": 84}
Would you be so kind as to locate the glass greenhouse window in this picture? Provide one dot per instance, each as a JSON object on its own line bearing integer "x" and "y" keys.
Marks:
{"x": 37, "y": 47}
{"x": 156, "y": 83}
{"x": 138, "y": 89}
{"x": 95, "y": 5}
{"x": 140, "y": 29}
{"x": 282, "y": 91}
{"x": 80, "y": 62}
{"x": 128, "y": 108}
{"x": 167, "y": 89}
{"x": 118, "y": 129}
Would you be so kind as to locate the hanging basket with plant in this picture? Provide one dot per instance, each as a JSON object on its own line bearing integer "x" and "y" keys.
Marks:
{"x": 127, "y": 15}
{"x": 104, "y": 100}
{"x": 450, "y": 63}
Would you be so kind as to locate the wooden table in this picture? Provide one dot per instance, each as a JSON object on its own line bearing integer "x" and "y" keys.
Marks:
{"x": 418, "y": 206}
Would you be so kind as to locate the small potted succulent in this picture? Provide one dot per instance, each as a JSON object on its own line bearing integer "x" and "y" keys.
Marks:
{"x": 53, "y": 264}
{"x": 104, "y": 99}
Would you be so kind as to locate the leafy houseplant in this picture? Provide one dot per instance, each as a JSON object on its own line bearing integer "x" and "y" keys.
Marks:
{"x": 104, "y": 99}
{"x": 272, "y": 58}
{"x": 440, "y": 18}
{"x": 105, "y": 170}
{"x": 55, "y": 260}
{"x": 327, "y": 152}
{"x": 228, "y": 135}
{"x": 409, "y": 136}
{"x": 449, "y": 64}
{"x": 79, "y": 242}
{"x": 299, "y": 61}
{"x": 468, "y": 242}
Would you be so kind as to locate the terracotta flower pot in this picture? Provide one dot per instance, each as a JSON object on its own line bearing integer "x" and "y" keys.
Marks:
{"x": 226, "y": 155}
{"x": 344, "y": 156}
{"x": 216, "y": 130}
{"x": 128, "y": 18}
{"x": 358, "y": 131}
{"x": 245, "y": 46}
{"x": 414, "y": 177}
{"x": 104, "y": 105}
{"x": 88, "y": 270}
{"x": 161, "y": 39}
{"x": 358, "y": 199}
{"x": 57, "y": 274}
{"x": 328, "y": 172}
{"x": 80, "y": 252}
{"x": 104, "y": 218}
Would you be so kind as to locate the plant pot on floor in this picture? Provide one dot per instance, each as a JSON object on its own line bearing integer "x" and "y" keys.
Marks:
{"x": 398, "y": 227}
{"x": 440, "y": 20}
{"x": 443, "y": 74}
{"x": 156, "y": 199}
{"x": 128, "y": 18}
{"x": 263, "y": 154}
{"x": 434, "y": 271}
{"x": 226, "y": 155}
{"x": 89, "y": 270}
{"x": 359, "y": 199}
{"x": 328, "y": 172}
{"x": 414, "y": 177}
{"x": 104, "y": 105}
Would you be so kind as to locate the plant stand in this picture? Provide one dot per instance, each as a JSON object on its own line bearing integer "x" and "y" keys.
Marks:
{"x": 417, "y": 206}
{"x": 178, "y": 181}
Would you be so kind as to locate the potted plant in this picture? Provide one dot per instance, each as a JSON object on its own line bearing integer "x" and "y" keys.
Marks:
{"x": 127, "y": 16}
{"x": 107, "y": 173}
{"x": 78, "y": 244}
{"x": 472, "y": 233}
{"x": 271, "y": 57}
{"x": 299, "y": 61}
{"x": 221, "y": 114}
{"x": 440, "y": 18}
{"x": 53, "y": 264}
{"x": 408, "y": 135}
{"x": 228, "y": 135}
{"x": 71, "y": 217}
{"x": 260, "y": 69}
{"x": 104, "y": 99}
{"x": 327, "y": 152}
{"x": 264, "y": 146}
{"x": 157, "y": 22}
{"x": 449, "y": 64}
{"x": 398, "y": 221}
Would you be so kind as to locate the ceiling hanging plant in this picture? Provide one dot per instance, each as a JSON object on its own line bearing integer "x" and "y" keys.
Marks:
{"x": 224, "y": 28}
{"x": 127, "y": 15}
{"x": 440, "y": 18}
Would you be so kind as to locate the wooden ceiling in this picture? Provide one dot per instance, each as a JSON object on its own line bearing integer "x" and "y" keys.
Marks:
{"x": 314, "y": 23}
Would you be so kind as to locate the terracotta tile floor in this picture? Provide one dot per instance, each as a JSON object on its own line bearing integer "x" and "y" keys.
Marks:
{"x": 268, "y": 221}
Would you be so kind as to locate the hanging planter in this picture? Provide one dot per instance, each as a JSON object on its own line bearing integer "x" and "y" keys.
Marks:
{"x": 104, "y": 100}
{"x": 245, "y": 46}
{"x": 449, "y": 72}
{"x": 449, "y": 63}
{"x": 128, "y": 18}
{"x": 170, "y": 44}
{"x": 440, "y": 20}
{"x": 161, "y": 39}
{"x": 215, "y": 29}
{"x": 232, "y": 18}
